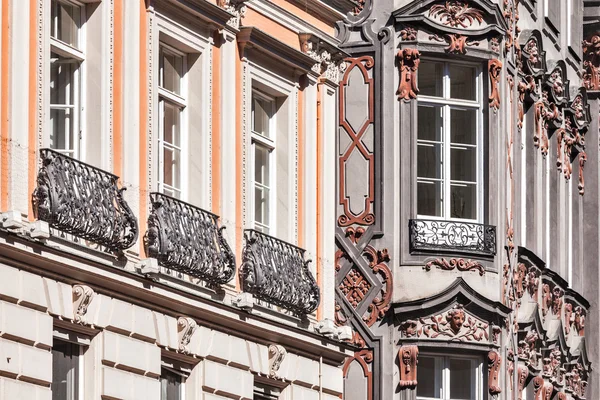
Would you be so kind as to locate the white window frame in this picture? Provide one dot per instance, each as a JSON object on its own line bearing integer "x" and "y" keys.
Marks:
{"x": 78, "y": 55}
{"x": 179, "y": 370}
{"x": 179, "y": 101}
{"x": 448, "y": 104}
{"x": 270, "y": 144}
{"x": 73, "y": 338}
{"x": 444, "y": 374}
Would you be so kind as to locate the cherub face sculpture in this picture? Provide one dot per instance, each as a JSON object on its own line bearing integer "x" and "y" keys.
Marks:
{"x": 456, "y": 318}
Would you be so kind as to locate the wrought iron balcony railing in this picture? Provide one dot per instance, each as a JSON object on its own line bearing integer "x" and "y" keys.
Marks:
{"x": 431, "y": 235}
{"x": 276, "y": 272}
{"x": 189, "y": 240}
{"x": 84, "y": 201}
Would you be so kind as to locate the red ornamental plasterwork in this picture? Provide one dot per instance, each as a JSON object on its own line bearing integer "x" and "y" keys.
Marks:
{"x": 407, "y": 357}
{"x": 494, "y": 363}
{"x": 511, "y": 16}
{"x": 380, "y": 304}
{"x": 454, "y": 324}
{"x": 527, "y": 350}
{"x": 456, "y": 263}
{"x": 553, "y": 368}
{"x": 575, "y": 383}
{"x": 457, "y": 44}
{"x": 456, "y": 14}
{"x": 574, "y": 319}
{"x": 494, "y": 70}
{"x": 355, "y": 287}
{"x": 357, "y": 147}
{"x": 408, "y": 64}
{"x": 591, "y": 63}
{"x": 581, "y": 184}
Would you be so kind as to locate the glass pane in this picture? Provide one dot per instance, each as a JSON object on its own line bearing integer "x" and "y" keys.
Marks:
{"x": 462, "y": 82}
{"x": 463, "y": 126}
{"x": 463, "y": 164}
{"x": 261, "y": 165}
{"x": 461, "y": 379}
{"x": 61, "y": 129}
{"x": 261, "y": 205}
{"x": 431, "y": 78}
{"x": 65, "y": 370}
{"x": 463, "y": 201}
{"x": 170, "y": 385}
{"x": 426, "y": 382}
{"x": 171, "y": 169}
{"x": 429, "y": 156}
{"x": 430, "y": 123}
{"x": 172, "y": 72}
{"x": 66, "y": 19}
{"x": 429, "y": 198}
{"x": 62, "y": 79}
{"x": 172, "y": 124}
{"x": 261, "y": 114}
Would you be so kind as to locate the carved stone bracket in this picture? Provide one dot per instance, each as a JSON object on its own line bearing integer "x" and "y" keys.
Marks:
{"x": 186, "y": 327}
{"x": 591, "y": 63}
{"x": 408, "y": 356}
{"x": 235, "y": 7}
{"x": 276, "y": 355}
{"x": 494, "y": 71}
{"x": 456, "y": 263}
{"x": 328, "y": 59}
{"x": 408, "y": 64}
{"x": 494, "y": 363}
{"x": 82, "y": 297}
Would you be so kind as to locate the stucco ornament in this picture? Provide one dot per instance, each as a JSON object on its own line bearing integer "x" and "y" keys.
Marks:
{"x": 494, "y": 363}
{"x": 235, "y": 7}
{"x": 276, "y": 355}
{"x": 553, "y": 368}
{"x": 494, "y": 71}
{"x": 528, "y": 349}
{"x": 186, "y": 327}
{"x": 456, "y": 14}
{"x": 408, "y": 64}
{"x": 591, "y": 63}
{"x": 456, "y": 263}
{"x": 454, "y": 324}
{"x": 408, "y": 360}
{"x": 82, "y": 297}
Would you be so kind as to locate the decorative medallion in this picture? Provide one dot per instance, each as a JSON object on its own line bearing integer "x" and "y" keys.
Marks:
{"x": 355, "y": 287}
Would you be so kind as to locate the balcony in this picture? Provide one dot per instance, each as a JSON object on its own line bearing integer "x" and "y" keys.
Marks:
{"x": 76, "y": 198}
{"x": 452, "y": 236}
{"x": 188, "y": 239}
{"x": 276, "y": 272}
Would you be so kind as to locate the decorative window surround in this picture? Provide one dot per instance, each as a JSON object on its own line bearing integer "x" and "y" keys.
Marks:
{"x": 440, "y": 376}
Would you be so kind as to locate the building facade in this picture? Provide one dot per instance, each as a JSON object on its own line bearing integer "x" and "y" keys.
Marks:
{"x": 166, "y": 177}
{"x": 467, "y": 207}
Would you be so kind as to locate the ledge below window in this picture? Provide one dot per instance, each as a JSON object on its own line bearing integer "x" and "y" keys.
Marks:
{"x": 454, "y": 236}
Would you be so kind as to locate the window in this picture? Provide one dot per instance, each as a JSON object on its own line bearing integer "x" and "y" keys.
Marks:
{"x": 172, "y": 103}
{"x": 449, "y": 141}
{"x": 263, "y": 146}
{"x": 263, "y": 391}
{"x": 172, "y": 384}
{"x": 66, "y": 57}
{"x": 450, "y": 378}
{"x": 67, "y": 366}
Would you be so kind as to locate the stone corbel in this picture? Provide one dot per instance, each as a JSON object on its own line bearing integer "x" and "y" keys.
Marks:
{"x": 328, "y": 58}
{"x": 186, "y": 327}
{"x": 408, "y": 366}
{"x": 235, "y": 7}
{"x": 82, "y": 297}
{"x": 494, "y": 70}
{"x": 408, "y": 65}
{"x": 591, "y": 62}
{"x": 494, "y": 363}
{"x": 276, "y": 355}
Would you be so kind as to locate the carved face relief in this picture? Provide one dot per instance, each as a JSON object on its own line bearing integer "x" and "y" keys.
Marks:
{"x": 557, "y": 301}
{"x": 579, "y": 321}
{"x": 531, "y": 48}
{"x": 456, "y": 317}
{"x": 532, "y": 283}
{"x": 557, "y": 82}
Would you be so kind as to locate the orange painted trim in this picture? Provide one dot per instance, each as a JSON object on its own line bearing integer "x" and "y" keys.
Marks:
{"x": 117, "y": 90}
{"x": 300, "y": 172}
{"x": 319, "y": 207}
{"x": 306, "y": 16}
{"x": 239, "y": 223}
{"x": 4, "y": 105}
{"x": 216, "y": 126}
{"x": 144, "y": 112}
{"x": 272, "y": 27}
{"x": 32, "y": 112}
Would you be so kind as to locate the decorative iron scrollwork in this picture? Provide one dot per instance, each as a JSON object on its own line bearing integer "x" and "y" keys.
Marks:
{"x": 452, "y": 236}
{"x": 276, "y": 272}
{"x": 189, "y": 240}
{"x": 82, "y": 200}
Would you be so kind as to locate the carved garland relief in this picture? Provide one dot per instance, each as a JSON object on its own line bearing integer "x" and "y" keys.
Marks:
{"x": 459, "y": 264}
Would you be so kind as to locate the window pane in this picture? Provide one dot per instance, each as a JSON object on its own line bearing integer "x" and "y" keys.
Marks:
{"x": 430, "y": 123}
{"x": 172, "y": 72}
{"x": 463, "y": 126}
{"x": 429, "y": 198}
{"x": 261, "y": 205}
{"x": 463, "y": 162}
{"x": 172, "y": 124}
{"x": 261, "y": 165}
{"x": 430, "y": 78}
{"x": 62, "y": 79}
{"x": 170, "y": 385}
{"x": 426, "y": 382}
{"x": 429, "y": 156}
{"x": 461, "y": 379}
{"x": 65, "y": 370}
{"x": 462, "y": 82}
{"x": 171, "y": 169}
{"x": 66, "y": 19}
{"x": 463, "y": 201}
{"x": 61, "y": 129}
{"x": 261, "y": 114}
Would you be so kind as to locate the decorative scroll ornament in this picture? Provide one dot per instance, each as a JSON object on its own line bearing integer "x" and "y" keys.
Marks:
{"x": 186, "y": 327}
{"x": 528, "y": 349}
{"x": 494, "y": 363}
{"x": 453, "y": 236}
{"x": 82, "y": 200}
{"x": 408, "y": 366}
{"x": 276, "y": 355}
{"x": 82, "y": 297}
{"x": 456, "y": 263}
{"x": 408, "y": 64}
{"x": 235, "y": 7}
{"x": 522, "y": 374}
{"x": 591, "y": 63}
{"x": 380, "y": 304}
{"x": 454, "y": 324}
{"x": 575, "y": 383}
{"x": 511, "y": 16}
{"x": 542, "y": 390}
{"x": 189, "y": 240}
{"x": 457, "y": 44}
{"x": 276, "y": 272}
{"x": 456, "y": 14}
{"x": 553, "y": 367}
{"x": 494, "y": 70}
{"x": 355, "y": 287}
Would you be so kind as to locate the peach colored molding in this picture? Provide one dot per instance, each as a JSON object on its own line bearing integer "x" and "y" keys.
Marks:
{"x": 319, "y": 212}
{"x": 300, "y": 171}
{"x": 239, "y": 223}
{"x": 117, "y": 89}
{"x": 33, "y": 102}
{"x": 4, "y": 103}
{"x": 216, "y": 125}
{"x": 271, "y": 27}
{"x": 305, "y": 16}
{"x": 144, "y": 112}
